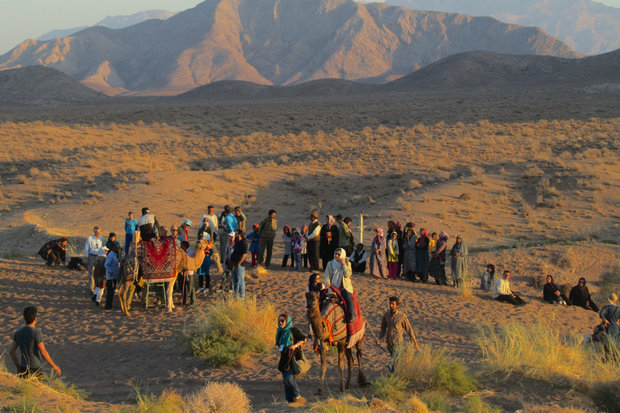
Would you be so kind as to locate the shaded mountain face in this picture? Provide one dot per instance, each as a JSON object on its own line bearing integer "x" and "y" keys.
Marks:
{"x": 277, "y": 42}
{"x": 112, "y": 22}
{"x": 38, "y": 85}
{"x": 586, "y": 26}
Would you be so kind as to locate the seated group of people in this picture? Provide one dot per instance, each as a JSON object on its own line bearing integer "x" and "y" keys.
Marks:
{"x": 579, "y": 295}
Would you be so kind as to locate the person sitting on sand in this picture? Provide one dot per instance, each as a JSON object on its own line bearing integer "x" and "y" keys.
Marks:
{"x": 580, "y": 296}
{"x": 552, "y": 294}
{"x": 338, "y": 274}
{"x": 30, "y": 342}
{"x": 358, "y": 259}
{"x": 610, "y": 317}
{"x": 289, "y": 341}
{"x": 54, "y": 251}
{"x": 502, "y": 292}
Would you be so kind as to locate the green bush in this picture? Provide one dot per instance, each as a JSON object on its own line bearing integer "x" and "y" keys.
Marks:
{"x": 474, "y": 404}
{"x": 437, "y": 401}
{"x": 391, "y": 388}
{"x": 453, "y": 376}
{"x": 607, "y": 396}
{"x": 230, "y": 330}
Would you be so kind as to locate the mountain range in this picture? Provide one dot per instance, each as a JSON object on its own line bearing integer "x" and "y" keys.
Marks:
{"x": 112, "y": 22}
{"x": 586, "y": 26}
{"x": 274, "y": 42}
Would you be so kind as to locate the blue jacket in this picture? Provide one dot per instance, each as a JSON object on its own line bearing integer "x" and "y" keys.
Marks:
{"x": 231, "y": 223}
{"x": 111, "y": 266}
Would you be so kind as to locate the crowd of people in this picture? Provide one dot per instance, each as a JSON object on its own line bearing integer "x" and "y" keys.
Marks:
{"x": 398, "y": 253}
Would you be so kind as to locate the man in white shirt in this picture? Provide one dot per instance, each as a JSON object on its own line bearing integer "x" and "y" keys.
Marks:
{"x": 313, "y": 241}
{"x": 93, "y": 250}
{"x": 502, "y": 292}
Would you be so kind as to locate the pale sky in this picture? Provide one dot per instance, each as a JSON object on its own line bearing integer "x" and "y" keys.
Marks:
{"x": 28, "y": 19}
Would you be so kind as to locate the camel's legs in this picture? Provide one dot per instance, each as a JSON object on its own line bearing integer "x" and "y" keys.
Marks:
{"x": 170, "y": 288}
{"x": 323, "y": 354}
{"x": 341, "y": 351}
{"x": 349, "y": 354}
{"x": 361, "y": 377}
{"x": 121, "y": 297}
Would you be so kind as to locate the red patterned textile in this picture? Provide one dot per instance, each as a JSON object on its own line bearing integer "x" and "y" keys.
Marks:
{"x": 159, "y": 259}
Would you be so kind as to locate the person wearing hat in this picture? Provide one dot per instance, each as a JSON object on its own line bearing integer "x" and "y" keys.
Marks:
{"x": 610, "y": 316}
{"x": 131, "y": 225}
{"x": 184, "y": 229}
{"x": 313, "y": 241}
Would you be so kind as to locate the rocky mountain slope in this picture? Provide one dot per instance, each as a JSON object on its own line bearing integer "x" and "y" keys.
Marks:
{"x": 278, "y": 42}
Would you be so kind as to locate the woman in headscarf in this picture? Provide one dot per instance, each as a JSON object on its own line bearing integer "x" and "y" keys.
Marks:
{"x": 288, "y": 340}
{"x": 409, "y": 254}
{"x": 421, "y": 256}
{"x": 338, "y": 274}
{"x": 377, "y": 257}
{"x": 552, "y": 294}
{"x": 580, "y": 296}
{"x": 437, "y": 265}
{"x": 459, "y": 261}
{"x": 392, "y": 255}
{"x": 610, "y": 315}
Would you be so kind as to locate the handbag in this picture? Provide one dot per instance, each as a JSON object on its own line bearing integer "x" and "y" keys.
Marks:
{"x": 300, "y": 365}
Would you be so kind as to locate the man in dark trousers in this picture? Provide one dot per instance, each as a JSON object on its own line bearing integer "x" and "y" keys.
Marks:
{"x": 267, "y": 231}
{"x": 30, "y": 342}
{"x": 313, "y": 240}
{"x": 393, "y": 326}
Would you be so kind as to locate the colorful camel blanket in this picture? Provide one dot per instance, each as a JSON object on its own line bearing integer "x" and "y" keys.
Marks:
{"x": 354, "y": 331}
{"x": 159, "y": 259}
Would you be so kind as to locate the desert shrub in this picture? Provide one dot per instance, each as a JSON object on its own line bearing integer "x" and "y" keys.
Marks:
{"x": 437, "y": 401}
{"x": 609, "y": 283}
{"x": 167, "y": 402}
{"x": 346, "y": 404}
{"x": 23, "y": 405}
{"x": 537, "y": 281}
{"x": 465, "y": 288}
{"x": 454, "y": 377}
{"x": 13, "y": 254}
{"x": 229, "y": 330}
{"x": 219, "y": 398}
{"x": 607, "y": 396}
{"x": 391, "y": 388}
{"x": 60, "y": 386}
{"x": 474, "y": 404}
{"x": 540, "y": 352}
{"x": 415, "y": 405}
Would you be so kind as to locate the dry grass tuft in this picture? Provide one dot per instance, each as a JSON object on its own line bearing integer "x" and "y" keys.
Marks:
{"x": 219, "y": 398}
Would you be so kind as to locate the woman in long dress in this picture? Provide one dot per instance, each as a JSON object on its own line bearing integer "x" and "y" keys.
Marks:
{"x": 421, "y": 256}
{"x": 459, "y": 261}
{"x": 437, "y": 266}
{"x": 378, "y": 263}
{"x": 409, "y": 254}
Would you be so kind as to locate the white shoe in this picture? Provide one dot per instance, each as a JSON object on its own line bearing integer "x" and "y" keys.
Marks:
{"x": 205, "y": 290}
{"x": 200, "y": 290}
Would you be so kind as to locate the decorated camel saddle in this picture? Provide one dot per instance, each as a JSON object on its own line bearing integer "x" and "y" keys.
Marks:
{"x": 333, "y": 310}
{"x": 159, "y": 259}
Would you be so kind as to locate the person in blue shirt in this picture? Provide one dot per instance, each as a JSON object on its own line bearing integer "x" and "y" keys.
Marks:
{"x": 254, "y": 239}
{"x": 112, "y": 269}
{"x": 230, "y": 223}
{"x": 130, "y": 227}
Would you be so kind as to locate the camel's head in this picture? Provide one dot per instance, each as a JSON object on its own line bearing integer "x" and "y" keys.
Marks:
{"x": 312, "y": 298}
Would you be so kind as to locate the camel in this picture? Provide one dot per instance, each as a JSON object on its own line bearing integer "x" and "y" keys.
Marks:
{"x": 177, "y": 261}
{"x": 336, "y": 335}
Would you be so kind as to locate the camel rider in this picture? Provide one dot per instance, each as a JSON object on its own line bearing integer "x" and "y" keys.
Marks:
{"x": 338, "y": 273}
{"x": 148, "y": 225}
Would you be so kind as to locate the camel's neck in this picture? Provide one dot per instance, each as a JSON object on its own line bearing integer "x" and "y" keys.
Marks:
{"x": 316, "y": 321}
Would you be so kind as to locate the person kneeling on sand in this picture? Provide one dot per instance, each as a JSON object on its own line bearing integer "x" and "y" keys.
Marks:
{"x": 30, "y": 342}
{"x": 502, "y": 292}
{"x": 289, "y": 341}
{"x": 54, "y": 251}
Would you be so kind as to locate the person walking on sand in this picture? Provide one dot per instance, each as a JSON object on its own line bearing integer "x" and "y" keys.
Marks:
{"x": 267, "y": 231}
{"x": 94, "y": 251}
{"x": 29, "y": 340}
{"x": 289, "y": 340}
{"x": 393, "y": 326}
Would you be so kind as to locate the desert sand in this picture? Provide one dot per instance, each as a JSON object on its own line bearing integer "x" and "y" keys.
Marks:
{"x": 532, "y": 186}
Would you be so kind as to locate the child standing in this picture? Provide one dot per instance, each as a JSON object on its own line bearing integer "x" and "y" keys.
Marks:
{"x": 112, "y": 268}
{"x": 304, "y": 248}
{"x": 254, "y": 239}
{"x": 297, "y": 245}
{"x": 130, "y": 227}
{"x": 287, "y": 238}
{"x": 487, "y": 276}
{"x": 204, "y": 277}
{"x": 392, "y": 255}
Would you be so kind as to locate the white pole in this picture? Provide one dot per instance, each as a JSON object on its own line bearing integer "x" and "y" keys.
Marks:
{"x": 361, "y": 228}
